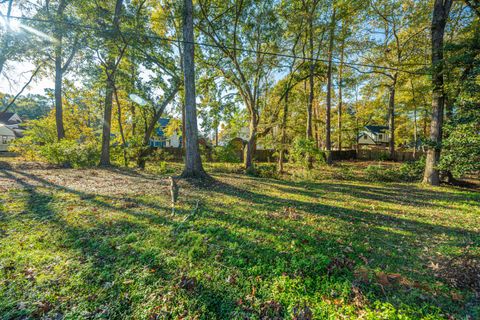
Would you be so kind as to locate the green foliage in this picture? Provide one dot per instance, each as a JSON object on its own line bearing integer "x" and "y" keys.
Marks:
{"x": 40, "y": 143}
{"x": 302, "y": 149}
{"x": 461, "y": 149}
{"x": 406, "y": 172}
{"x": 71, "y": 153}
{"x": 264, "y": 170}
{"x": 28, "y": 107}
{"x": 226, "y": 153}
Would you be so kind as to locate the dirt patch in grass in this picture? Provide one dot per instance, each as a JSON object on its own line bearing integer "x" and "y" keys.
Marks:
{"x": 462, "y": 272}
{"x": 92, "y": 181}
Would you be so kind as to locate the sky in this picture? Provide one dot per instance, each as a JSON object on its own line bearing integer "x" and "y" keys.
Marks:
{"x": 19, "y": 72}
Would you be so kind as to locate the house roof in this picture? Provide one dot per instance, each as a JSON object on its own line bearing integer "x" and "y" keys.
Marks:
{"x": 163, "y": 122}
{"x": 6, "y": 116}
{"x": 376, "y": 129}
{"x": 18, "y": 133}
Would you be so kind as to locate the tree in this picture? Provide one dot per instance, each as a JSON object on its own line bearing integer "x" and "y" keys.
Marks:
{"x": 110, "y": 66}
{"x": 193, "y": 163}
{"x": 403, "y": 24}
{"x": 60, "y": 66}
{"x": 217, "y": 105}
{"x": 328, "y": 141}
{"x": 240, "y": 52}
{"x": 441, "y": 12}
{"x": 310, "y": 10}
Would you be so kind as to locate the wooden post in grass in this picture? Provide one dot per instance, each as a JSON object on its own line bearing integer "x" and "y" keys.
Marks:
{"x": 173, "y": 193}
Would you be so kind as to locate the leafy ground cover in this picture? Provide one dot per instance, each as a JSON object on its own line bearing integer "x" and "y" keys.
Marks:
{"x": 103, "y": 244}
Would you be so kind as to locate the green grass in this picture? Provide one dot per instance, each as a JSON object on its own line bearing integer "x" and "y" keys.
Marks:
{"x": 329, "y": 244}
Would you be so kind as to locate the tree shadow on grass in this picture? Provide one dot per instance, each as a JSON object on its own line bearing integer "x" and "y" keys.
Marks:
{"x": 104, "y": 282}
{"x": 400, "y": 193}
{"x": 395, "y": 243}
{"x": 309, "y": 256}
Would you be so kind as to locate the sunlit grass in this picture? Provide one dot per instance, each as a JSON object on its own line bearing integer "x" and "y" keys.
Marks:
{"x": 255, "y": 248}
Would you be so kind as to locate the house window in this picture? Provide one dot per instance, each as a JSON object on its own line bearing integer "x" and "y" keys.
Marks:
{"x": 4, "y": 139}
{"x": 380, "y": 136}
{"x": 364, "y": 137}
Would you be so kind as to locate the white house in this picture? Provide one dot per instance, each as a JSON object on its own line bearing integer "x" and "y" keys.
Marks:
{"x": 7, "y": 135}
{"x": 374, "y": 136}
{"x": 9, "y": 129}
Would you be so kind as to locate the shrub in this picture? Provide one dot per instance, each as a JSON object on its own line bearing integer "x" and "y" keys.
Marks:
{"x": 264, "y": 170}
{"x": 79, "y": 148}
{"x": 71, "y": 153}
{"x": 227, "y": 153}
{"x": 406, "y": 172}
{"x": 412, "y": 171}
{"x": 344, "y": 173}
{"x": 461, "y": 149}
{"x": 302, "y": 149}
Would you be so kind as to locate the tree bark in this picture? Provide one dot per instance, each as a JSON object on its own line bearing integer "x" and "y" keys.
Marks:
{"x": 251, "y": 143}
{"x": 415, "y": 126}
{"x": 193, "y": 162}
{"x": 110, "y": 71}
{"x": 120, "y": 126}
{"x": 391, "y": 118}
{"x": 340, "y": 97}
{"x": 328, "y": 139}
{"x": 441, "y": 12}
{"x": 59, "y": 73}
{"x": 58, "y": 89}
{"x": 311, "y": 97}
{"x": 281, "y": 155}
{"x": 107, "y": 118}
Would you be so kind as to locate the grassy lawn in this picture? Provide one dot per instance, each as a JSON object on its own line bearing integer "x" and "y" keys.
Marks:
{"x": 103, "y": 244}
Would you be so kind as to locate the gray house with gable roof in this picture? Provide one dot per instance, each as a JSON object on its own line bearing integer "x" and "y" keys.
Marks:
{"x": 374, "y": 136}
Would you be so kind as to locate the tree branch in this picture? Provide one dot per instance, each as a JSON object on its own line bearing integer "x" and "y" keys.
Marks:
{"x": 23, "y": 88}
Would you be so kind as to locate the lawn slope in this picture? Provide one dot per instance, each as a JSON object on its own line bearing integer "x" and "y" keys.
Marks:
{"x": 103, "y": 244}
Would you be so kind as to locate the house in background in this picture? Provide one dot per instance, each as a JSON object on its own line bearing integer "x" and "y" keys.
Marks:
{"x": 160, "y": 140}
{"x": 241, "y": 138}
{"x": 10, "y": 129}
{"x": 374, "y": 136}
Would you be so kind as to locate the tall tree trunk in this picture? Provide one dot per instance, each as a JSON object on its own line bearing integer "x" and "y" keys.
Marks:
{"x": 340, "y": 96}
{"x": 59, "y": 73}
{"x": 183, "y": 123}
{"x": 58, "y": 89}
{"x": 120, "y": 127}
{"x": 251, "y": 143}
{"x": 441, "y": 12}
{"x": 415, "y": 127}
{"x": 315, "y": 130}
{"x": 107, "y": 116}
{"x": 281, "y": 155}
{"x": 110, "y": 71}
{"x": 328, "y": 127}
{"x": 193, "y": 162}
{"x": 391, "y": 118}
{"x": 311, "y": 97}
{"x": 357, "y": 133}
